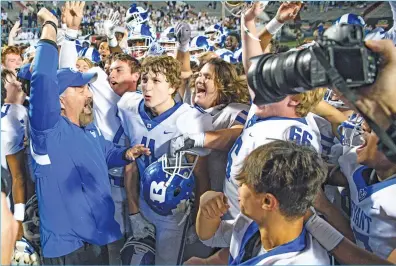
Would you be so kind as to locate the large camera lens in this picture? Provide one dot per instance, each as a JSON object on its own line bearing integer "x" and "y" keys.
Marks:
{"x": 273, "y": 76}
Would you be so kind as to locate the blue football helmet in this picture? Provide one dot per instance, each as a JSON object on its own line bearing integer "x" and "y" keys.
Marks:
{"x": 139, "y": 251}
{"x": 351, "y": 19}
{"x": 226, "y": 55}
{"x": 216, "y": 35}
{"x": 168, "y": 184}
{"x": 351, "y": 131}
{"x": 135, "y": 16}
{"x": 139, "y": 40}
{"x": 168, "y": 40}
{"x": 90, "y": 53}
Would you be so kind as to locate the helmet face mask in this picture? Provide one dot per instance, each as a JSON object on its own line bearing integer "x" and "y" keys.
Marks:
{"x": 334, "y": 100}
{"x": 351, "y": 131}
{"x": 179, "y": 165}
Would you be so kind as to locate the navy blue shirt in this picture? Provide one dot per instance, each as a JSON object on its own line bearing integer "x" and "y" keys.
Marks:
{"x": 70, "y": 165}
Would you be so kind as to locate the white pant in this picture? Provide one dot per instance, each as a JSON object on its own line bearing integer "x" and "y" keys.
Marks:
{"x": 169, "y": 235}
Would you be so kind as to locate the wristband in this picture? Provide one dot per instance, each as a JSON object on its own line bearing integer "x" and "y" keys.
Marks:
{"x": 245, "y": 29}
{"x": 71, "y": 35}
{"x": 323, "y": 232}
{"x": 183, "y": 47}
{"x": 52, "y": 24}
{"x": 199, "y": 140}
{"x": 273, "y": 26}
{"x": 19, "y": 212}
{"x": 112, "y": 42}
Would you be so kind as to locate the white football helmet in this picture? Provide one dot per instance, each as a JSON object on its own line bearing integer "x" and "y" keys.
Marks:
{"x": 168, "y": 41}
{"x": 139, "y": 40}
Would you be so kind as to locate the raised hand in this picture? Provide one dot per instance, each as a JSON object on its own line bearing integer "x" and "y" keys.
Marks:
{"x": 254, "y": 10}
{"x": 213, "y": 204}
{"x": 288, "y": 11}
{"x": 183, "y": 33}
{"x": 44, "y": 15}
{"x": 72, "y": 14}
{"x": 110, "y": 24}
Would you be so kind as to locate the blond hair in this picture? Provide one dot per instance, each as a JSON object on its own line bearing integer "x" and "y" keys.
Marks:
{"x": 308, "y": 100}
{"x": 166, "y": 65}
{"x": 86, "y": 60}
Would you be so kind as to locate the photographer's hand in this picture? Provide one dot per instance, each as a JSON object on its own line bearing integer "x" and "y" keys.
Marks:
{"x": 378, "y": 101}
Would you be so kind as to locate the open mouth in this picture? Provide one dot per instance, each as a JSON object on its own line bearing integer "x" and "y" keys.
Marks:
{"x": 364, "y": 142}
{"x": 113, "y": 83}
{"x": 200, "y": 90}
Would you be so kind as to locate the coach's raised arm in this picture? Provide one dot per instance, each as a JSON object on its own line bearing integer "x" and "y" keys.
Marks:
{"x": 70, "y": 159}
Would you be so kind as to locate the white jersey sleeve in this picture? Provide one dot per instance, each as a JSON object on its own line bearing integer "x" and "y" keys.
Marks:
{"x": 105, "y": 107}
{"x": 222, "y": 237}
{"x": 228, "y": 116}
{"x": 129, "y": 102}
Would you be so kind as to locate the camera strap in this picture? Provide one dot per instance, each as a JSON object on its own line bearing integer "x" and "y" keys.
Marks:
{"x": 387, "y": 139}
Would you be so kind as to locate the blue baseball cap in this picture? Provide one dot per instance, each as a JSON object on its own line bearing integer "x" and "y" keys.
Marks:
{"x": 24, "y": 72}
{"x": 68, "y": 77}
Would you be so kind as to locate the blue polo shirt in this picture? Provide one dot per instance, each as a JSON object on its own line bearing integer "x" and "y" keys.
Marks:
{"x": 70, "y": 165}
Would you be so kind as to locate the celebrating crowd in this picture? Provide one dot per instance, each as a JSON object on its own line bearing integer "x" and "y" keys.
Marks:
{"x": 138, "y": 149}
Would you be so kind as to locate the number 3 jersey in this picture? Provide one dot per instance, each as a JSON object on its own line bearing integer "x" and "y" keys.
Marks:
{"x": 373, "y": 211}
{"x": 156, "y": 132}
{"x": 257, "y": 132}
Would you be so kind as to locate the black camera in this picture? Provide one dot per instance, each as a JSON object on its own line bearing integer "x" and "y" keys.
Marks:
{"x": 274, "y": 76}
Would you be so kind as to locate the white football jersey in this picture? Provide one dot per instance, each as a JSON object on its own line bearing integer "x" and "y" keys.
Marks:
{"x": 105, "y": 108}
{"x": 14, "y": 126}
{"x": 105, "y": 111}
{"x": 243, "y": 237}
{"x": 156, "y": 133}
{"x": 257, "y": 132}
{"x": 223, "y": 117}
{"x": 373, "y": 212}
{"x": 325, "y": 131}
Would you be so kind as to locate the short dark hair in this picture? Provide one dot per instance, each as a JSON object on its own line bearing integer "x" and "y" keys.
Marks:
{"x": 236, "y": 35}
{"x": 133, "y": 63}
{"x": 290, "y": 172}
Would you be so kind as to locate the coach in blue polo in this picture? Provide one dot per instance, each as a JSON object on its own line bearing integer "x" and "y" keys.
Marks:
{"x": 70, "y": 160}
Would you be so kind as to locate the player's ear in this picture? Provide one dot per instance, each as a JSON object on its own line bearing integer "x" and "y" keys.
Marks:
{"x": 294, "y": 100}
{"x": 171, "y": 91}
{"x": 269, "y": 202}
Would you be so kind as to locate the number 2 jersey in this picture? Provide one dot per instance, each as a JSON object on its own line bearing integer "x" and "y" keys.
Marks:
{"x": 156, "y": 132}
{"x": 260, "y": 131}
{"x": 373, "y": 211}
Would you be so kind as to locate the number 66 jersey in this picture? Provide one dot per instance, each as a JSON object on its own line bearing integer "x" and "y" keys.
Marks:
{"x": 260, "y": 131}
{"x": 156, "y": 132}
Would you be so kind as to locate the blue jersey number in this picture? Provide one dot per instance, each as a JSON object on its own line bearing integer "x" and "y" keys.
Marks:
{"x": 149, "y": 143}
{"x": 364, "y": 239}
{"x": 6, "y": 106}
{"x": 232, "y": 155}
{"x": 300, "y": 136}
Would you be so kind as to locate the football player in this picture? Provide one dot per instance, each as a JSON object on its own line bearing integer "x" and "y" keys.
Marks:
{"x": 277, "y": 184}
{"x": 14, "y": 126}
{"x": 153, "y": 118}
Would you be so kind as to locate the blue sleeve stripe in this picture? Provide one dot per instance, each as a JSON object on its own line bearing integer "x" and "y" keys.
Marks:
{"x": 118, "y": 135}
{"x": 244, "y": 112}
{"x": 325, "y": 138}
{"x": 240, "y": 120}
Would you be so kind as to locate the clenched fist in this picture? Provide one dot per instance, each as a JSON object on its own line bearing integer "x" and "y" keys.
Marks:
{"x": 45, "y": 15}
{"x": 213, "y": 204}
